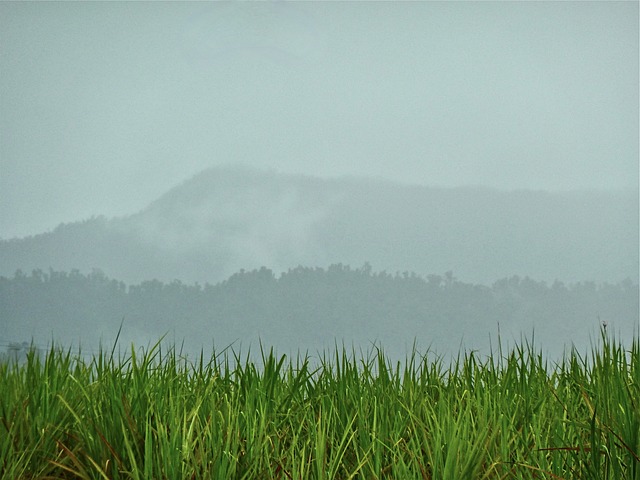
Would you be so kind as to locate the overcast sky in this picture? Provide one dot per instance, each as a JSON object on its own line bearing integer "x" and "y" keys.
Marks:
{"x": 105, "y": 106}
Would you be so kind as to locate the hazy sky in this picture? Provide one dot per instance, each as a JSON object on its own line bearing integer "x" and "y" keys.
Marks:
{"x": 104, "y": 106}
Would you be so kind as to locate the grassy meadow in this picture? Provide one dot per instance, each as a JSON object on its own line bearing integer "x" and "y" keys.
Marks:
{"x": 150, "y": 414}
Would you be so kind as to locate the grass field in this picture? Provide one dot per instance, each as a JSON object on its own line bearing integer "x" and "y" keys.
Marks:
{"x": 152, "y": 415}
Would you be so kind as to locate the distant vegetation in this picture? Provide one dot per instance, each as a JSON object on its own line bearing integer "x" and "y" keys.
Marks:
{"x": 150, "y": 414}
{"x": 313, "y": 308}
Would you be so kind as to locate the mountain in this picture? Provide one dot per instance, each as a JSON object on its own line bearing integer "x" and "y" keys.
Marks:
{"x": 227, "y": 219}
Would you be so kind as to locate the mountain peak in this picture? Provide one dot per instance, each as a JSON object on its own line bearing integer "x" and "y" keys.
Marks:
{"x": 227, "y": 218}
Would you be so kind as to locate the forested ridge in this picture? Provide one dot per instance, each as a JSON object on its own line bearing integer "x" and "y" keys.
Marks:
{"x": 225, "y": 219}
{"x": 312, "y": 308}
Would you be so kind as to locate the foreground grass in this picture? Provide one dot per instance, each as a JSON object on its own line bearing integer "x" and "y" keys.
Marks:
{"x": 155, "y": 416}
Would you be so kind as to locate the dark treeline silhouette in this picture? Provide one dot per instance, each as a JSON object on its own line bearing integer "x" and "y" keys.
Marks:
{"x": 311, "y": 308}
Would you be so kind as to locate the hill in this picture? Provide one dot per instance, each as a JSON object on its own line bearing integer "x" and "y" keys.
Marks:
{"x": 226, "y": 219}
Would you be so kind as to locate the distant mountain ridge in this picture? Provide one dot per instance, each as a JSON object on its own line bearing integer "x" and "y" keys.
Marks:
{"x": 226, "y": 219}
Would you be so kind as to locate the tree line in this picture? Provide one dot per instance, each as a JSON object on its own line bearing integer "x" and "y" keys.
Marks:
{"x": 304, "y": 307}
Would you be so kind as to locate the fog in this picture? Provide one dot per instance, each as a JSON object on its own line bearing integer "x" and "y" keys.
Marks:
{"x": 192, "y": 142}
{"x": 105, "y": 106}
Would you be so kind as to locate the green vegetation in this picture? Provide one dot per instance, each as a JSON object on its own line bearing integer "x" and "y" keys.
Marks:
{"x": 153, "y": 414}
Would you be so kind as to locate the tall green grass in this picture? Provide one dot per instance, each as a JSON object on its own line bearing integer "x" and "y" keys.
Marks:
{"x": 152, "y": 415}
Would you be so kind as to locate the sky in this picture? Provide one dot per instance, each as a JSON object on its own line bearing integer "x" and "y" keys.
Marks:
{"x": 105, "y": 106}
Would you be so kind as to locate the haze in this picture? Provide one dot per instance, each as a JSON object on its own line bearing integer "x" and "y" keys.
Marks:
{"x": 105, "y": 106}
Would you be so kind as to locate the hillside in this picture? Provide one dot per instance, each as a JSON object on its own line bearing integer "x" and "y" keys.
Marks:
{"x": 226, "y": 219}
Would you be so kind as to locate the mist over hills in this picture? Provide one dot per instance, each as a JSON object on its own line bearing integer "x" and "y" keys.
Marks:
{"x": 226, "y": 219}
